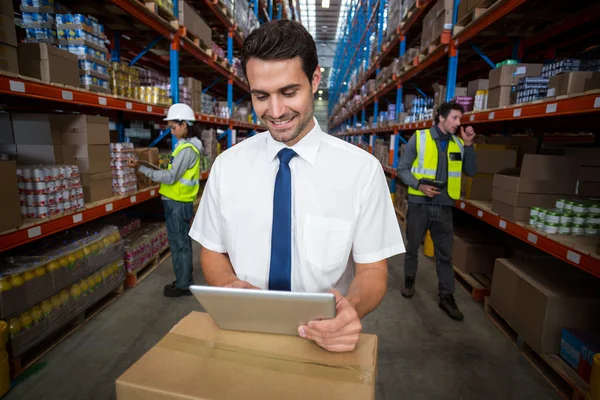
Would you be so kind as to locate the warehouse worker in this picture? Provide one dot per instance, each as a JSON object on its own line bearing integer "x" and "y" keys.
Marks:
{"x": 440, "y": 155}
{"x": 179, "y": 186}
{"x": 293, "y": 208}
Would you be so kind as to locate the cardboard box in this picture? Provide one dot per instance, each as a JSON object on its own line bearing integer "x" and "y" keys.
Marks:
{"x": 473, "y": 255}
{"x": 6, "y": 8}
{"x": 82, "y": 129}
{"x": 189, "y": 18}
{"x": 96, "y": 187}
{"x": 589, "y": 174}
{"x": 494, "y": 158}
{"x": 524, "y": 199}
{"x": 478, "y": 84}
{"x": 547, "y": 302}
{"x": 49, "y": 63}
{"x": 91, "y": 159}
{"x": 505, "y": 280}
{"x": 572, "y": 345}
{"x": 9, "y": 58}
{"x": 479, "y": 187}
{"x": 6, "y": 129}
{"x": 197, "y": 360}
{"x": 575, "y": 82}
{"x": 509, "y": 75}
{"x": 555, "y": 85}
{"x": 8, "y": 33}
{"x": 525, "y": 144}
{"x": 588, "y": 189}
{"x": 39, "y": 154}
{"x": 10, "y": 207}
{"x": 35, "y": 129}
{"x": 592, "y": 83}
{"x": 510, "y": 212}
{"x": 500, "y": 96}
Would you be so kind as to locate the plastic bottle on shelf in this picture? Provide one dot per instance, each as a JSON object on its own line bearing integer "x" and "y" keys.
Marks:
{"x": 4, "y": 284}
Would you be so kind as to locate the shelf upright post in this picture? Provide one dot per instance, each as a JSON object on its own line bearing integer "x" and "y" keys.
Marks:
{"x": 270, "y": 10}
{"x": 115, "y": 55}
{"x": 363, "y": 117}
{"x": 379, "y": 41}
{"x": 174, "y": 73}
{"x": 256, "y": 9}
{"x": 230, "y": 85}
{"x": 354, "y": 121}
{"x": 452, "y": 59}
{"x": 279, "y": 11}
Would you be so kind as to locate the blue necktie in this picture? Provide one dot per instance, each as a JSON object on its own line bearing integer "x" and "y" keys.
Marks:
{"x": 280, "y": 272}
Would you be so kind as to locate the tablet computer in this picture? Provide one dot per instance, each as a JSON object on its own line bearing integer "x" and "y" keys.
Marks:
{"x": 266, "y": 311}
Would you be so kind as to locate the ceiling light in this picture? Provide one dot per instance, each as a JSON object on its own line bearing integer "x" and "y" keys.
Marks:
{"x": 322, "y": 69}
{"x": 325, "y": 4}
{"x": 320, "y": 98}
{"x": 345, "y": 83}
{"x": 320, "y": 92}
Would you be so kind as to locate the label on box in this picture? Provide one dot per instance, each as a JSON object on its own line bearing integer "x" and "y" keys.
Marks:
{"x": 551, "y": 92}
{"x": 152, "y": 192}
{"x": 33, "y": 232}
{"x": 77, "y": 218}
{"x": 149, "y": 108}
{"x": 102, "y": 101}
{"x": 597, "y": 102}
{"x": 66, "y": 95}
{"x": 517, "y": 112}
{"x": 17, "y": 86}
{"x": 532, "y": 238}
{"x": 573, "y": 257}
{"x": 108, "y": 207}
{"x": 521, "y": 70}
{"x": 462, "y": 205}
{"x": 551, "y": 108}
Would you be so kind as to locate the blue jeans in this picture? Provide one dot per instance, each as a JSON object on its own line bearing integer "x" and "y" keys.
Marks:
{"x": 179, "y": 217}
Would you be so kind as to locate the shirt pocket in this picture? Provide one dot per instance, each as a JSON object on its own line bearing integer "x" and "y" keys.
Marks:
{"x": 326, "y": 240}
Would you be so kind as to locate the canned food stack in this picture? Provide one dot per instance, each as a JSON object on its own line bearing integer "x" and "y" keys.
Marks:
{"x": 124, "y": 80}
{"x": 154, "y": 87}
{"x": 47, "y": 190}
{"x": 124, "y": 177}
{"x": 84, "y": 36}
{"x": 38, "y": 21}
{"x": 570, "y": 217}
{"x": 144, "y": 244}
{"x": 167, "y": 5}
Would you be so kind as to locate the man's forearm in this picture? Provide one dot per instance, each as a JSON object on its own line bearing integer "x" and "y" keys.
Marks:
{"x": 368, "y": 287}
{"x": 216, "y": 268}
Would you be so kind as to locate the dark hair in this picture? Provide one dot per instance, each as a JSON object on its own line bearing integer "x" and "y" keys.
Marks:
{"x": 193, "y": 128}
{"x": 282, "y": 40}
{"x": 445, "y": 108}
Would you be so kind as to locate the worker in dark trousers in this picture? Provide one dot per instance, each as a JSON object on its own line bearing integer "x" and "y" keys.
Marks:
{"x": 432, "y": 166}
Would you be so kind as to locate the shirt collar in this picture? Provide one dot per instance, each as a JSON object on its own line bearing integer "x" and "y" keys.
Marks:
{"x": 306, "y": 148}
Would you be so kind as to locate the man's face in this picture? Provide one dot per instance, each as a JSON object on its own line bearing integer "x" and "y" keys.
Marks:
{"x": 283, "y": 97}
{"x": 451, "y": 123}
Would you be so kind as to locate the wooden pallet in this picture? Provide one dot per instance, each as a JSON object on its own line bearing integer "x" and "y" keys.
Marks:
{"x": 134, "y": 278}
{"x": 470, "y": 17}
{"x": 184, "y": 32}
{"x": 478, "y": 285}
{"x": 161, "y": 13}
{"x": 557, "y": 373}
{"x": 20, "y": 364}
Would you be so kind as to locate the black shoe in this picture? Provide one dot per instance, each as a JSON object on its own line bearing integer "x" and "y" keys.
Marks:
{"x": 174, "y": 291}
{"x": 448, "y": 304}
{"x": 170, "y": 285}
{"x": 409, "y": 287}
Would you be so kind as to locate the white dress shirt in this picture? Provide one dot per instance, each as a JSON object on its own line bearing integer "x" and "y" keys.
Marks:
{"x": 341, "y": 206}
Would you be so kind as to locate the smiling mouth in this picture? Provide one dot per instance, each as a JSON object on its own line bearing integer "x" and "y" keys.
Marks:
{"x": 281, "y": 123}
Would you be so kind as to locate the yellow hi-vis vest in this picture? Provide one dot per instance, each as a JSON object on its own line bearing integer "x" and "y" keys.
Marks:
{"x": 425, "y": 165}
{"x": 186, "y": 188}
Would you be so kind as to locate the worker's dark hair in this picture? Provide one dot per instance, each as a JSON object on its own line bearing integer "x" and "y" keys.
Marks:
{"x": 445, "y": 108}
{"x": 282, "y": 40}
{"x": 193, "y": 128}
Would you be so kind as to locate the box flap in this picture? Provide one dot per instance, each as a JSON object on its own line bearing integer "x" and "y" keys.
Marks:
{"x": 197, "y": 360}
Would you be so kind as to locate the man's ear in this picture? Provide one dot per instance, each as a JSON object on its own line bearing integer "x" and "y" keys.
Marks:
{"x": 316, "y": 79}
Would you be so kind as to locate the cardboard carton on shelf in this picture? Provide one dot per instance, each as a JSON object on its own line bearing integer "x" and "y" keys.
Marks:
{"x": 477, "y": 84}
{"x": 473, "y": 254}
{"x": 6, "y": 8}
{"x": 6, "y": 129}
{"x": 9, "y": 59}
{"x": 91, "y": 159}
{"x": 35, "y": 129}
{"x": 97, "y": 186}
{"x": 509, "y": 75}
{"x": 500, "y": 96}
{"x": 525, "y": 144}
{"x": 575, "y": 82}
{"x": 478, "y": 187}
{"x": 493, "y": 158}
{"x": 39, "y": 154}
{"x": 202, "y": 360}
{"x": 8, "y": 34}
{"x": 49, "y": 64}
{"x": 10, "y": 208}
{"x": 509, "y": 211}
{"x": 82, "y": 129}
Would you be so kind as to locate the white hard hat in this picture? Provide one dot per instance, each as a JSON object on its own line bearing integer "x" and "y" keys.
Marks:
{"x": 180, "y": 112}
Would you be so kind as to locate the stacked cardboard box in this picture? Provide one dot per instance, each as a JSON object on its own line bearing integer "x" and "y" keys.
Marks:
{"x": 491, "y": 159}
{"x": 194, "y": 88}
{"x": 475, "y": 254}
{"x": 8, "y": 39}
{"x": 10, "y": 212}
{"x": 49, "y": 64}
{"x": 194, "y": 23}
{"x": 86, "y": 143}
{"x": 525, "y": 144}
{"x": 572, "y": 83}
{"x": 539, "y": 302}
{"x": 588, "y": 175}
{"x": 541, "y": 181}
{"x": 394, "y": 17}
{"x": 502, "y": 82}
{"x": 36, "y": 139}
{"x": 440, "y": 93}
{"x": 438, "y": 19}
{"x": 210, "y": 143}
{"x": 465, "y": 7}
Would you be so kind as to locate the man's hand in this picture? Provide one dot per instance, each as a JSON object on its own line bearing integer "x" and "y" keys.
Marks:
{"x": 430, "y": 191}
{"x": 467, "y": 135}
{"x": 133, "y": 163}
{"x": 339, "y": 334}
{"x": 239, "y": 284}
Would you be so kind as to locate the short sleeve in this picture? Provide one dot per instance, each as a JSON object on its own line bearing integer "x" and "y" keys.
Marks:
{"x": 207, "y": 227}
{"x": 377, "y": 234}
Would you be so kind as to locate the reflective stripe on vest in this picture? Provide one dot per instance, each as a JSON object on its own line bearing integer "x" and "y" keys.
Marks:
{"x": 186, "y": 188}
{"x": 425, "y": 164}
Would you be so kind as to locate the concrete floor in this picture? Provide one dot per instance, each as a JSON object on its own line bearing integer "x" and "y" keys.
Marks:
{"x": 422, "y": 353}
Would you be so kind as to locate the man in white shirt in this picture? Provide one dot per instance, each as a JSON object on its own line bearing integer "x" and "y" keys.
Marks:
{"x": 285, "y": 209}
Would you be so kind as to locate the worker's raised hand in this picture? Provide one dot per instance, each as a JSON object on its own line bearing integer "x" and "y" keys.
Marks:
{"x": 239, "y": 284}
{"x": 467, "y": 135}
{"x": 339, "y": 334}
{"x": 132, "y": 163}
{"x": 428, "y": 190}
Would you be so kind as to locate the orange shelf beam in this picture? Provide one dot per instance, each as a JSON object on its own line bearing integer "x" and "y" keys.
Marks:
{"x": 491, "y": 16}
{"x": 144, "y": 15}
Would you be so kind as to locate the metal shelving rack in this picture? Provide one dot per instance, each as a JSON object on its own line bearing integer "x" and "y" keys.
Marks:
{"x": 544, "y": 43}
{"x": 26, "y": 89}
